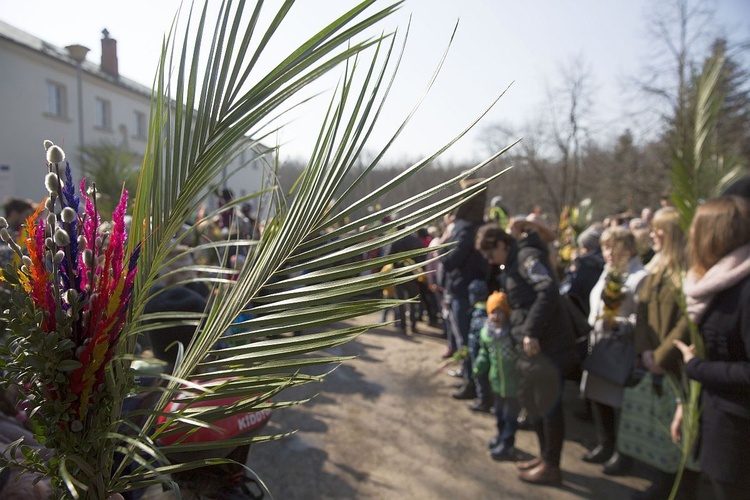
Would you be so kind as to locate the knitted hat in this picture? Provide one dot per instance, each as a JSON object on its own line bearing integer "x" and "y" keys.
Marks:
{"x": 498, "y": 300}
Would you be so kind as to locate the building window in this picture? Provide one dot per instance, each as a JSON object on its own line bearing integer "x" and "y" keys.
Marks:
{"x": 140, "y": 125}
{"x": 103, "y": 114}
{"x": 56, "y": 101}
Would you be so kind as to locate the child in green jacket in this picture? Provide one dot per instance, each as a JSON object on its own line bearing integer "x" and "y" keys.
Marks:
{"x": 498, "y": 357}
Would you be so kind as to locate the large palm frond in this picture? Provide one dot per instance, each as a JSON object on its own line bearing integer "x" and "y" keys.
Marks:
{"x": 305, "y": 270}
{"x": 699, "y": 170}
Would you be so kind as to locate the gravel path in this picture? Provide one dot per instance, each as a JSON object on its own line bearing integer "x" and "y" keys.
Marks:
{"x": 384, "y": 426}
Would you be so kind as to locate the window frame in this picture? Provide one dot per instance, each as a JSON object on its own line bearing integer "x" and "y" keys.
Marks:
{"x": 141, "y": 125}
{"x": 57, "y": 99}
{"x": 103, "y": 114}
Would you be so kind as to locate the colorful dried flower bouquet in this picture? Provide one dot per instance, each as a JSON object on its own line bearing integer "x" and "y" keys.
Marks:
{"x": 68, "y": 309}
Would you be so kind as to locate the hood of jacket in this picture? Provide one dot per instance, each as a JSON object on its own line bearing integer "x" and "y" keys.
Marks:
{"x": 532, "y": 240}
{"x": 459, "y": 226}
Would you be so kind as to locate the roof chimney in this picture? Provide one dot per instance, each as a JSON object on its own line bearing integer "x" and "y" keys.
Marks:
{"x": 109, "y": 54}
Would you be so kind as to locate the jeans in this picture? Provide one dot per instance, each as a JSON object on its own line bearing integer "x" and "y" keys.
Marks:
{"x": 460, "y": 319}
{"x": 448, "y": 328}
{"x": 386, "y": 314}
{"x": 506, "y": 415}
{"x": 460, "y": 325}
{"x": 406, "y": 291}
{"x": 427, "y": 302}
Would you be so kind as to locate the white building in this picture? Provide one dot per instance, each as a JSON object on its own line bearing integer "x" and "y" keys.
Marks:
{"x": 47, "y": 94}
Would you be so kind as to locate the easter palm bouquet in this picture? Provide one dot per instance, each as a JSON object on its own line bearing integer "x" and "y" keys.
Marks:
{"x": 79, "y": 298}
{"x": 69, "y": 304}
{"x": 612, "y": 295}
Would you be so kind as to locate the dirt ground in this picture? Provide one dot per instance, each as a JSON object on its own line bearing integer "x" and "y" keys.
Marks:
{"x": 385, "y": 426}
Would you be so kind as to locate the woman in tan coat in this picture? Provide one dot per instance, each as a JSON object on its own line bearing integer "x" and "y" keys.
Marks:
{"x": 659, "y": 321}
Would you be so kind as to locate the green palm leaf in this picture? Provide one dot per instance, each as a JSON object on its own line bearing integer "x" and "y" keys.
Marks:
{"x": 699, "y": 171}
{"x": 300, "y": 275}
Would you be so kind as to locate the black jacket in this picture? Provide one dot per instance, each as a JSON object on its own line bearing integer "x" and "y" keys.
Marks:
{"x": 406, "y": 244}
{"x": 537, "y": 309}
{"x": 579, "y": 282}
{"x": 725, "y": 377}
{"x": 463, "y": 264}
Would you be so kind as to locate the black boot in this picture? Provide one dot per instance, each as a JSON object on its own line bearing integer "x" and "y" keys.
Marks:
{"x": 467, "y": 391}
{"x": 523, "y": 421}
{"x": 480, "y": 406}
{"x": 659, "y": 489}
{"x": 618, "y": 465}
{"x": 598, "y": 455}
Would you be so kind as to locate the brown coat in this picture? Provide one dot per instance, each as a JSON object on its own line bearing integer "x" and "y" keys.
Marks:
{"x": 660, "y": 320}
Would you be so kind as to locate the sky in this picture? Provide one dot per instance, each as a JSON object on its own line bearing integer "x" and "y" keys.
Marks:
{"x": 498, "y": 43}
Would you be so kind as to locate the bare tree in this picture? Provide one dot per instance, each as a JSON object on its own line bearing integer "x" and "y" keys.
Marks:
{"x": 680, "y": 30}
{"x": 570, "y": 106}
{"x": 553, "y": 144}
{"x": 533, "y": 180}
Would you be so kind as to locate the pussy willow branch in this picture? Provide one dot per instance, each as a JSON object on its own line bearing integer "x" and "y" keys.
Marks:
{"x": 67, "y": 227}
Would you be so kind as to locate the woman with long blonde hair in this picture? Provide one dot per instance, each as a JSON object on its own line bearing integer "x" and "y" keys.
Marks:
{"x": 659, "y": 316}
{"x": 659, "y": 321}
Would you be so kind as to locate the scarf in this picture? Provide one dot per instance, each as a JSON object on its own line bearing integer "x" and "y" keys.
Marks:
{"x": 730, "y": 270}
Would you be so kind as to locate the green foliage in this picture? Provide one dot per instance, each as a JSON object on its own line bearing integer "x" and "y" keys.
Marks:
{"x": 41, "y": 361}
{"x": 111, "y": 167}
{"x": 700, "y": 167}
{"x": 688, "y": 392}
{"x": 305, "y": 272}
{"x": 67, "y": 309}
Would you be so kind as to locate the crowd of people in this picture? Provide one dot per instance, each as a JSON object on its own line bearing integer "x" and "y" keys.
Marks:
{"x": 521, "y": 324}
{"x": 617, "y": 321}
